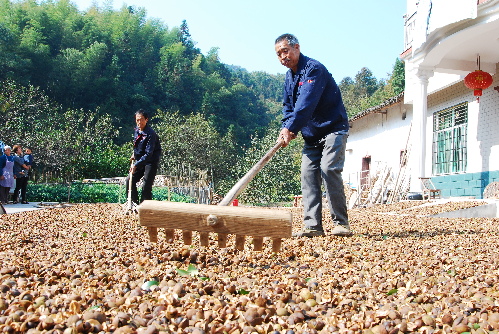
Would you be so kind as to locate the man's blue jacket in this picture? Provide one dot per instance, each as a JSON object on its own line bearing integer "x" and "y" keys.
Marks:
{"x": 146, "y": 147}
{"x": 312, "y": 102}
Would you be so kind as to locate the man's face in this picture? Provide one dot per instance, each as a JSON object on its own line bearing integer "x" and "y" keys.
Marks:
{"x": 141, "y": 121}
{"x": 288, "y": 55}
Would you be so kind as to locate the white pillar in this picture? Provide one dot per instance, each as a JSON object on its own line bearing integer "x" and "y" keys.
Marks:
{"x": 418, "y": 150}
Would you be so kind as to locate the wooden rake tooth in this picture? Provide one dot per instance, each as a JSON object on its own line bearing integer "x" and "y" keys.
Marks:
{"x": 187, "y": 237}
{"x": 170, "y": 234}
{"x": 240, "y": 239}
{"x": 276, "y": 245}
{"x": 222, "y": 240}
{"x": 153, "y": 234}
{"x": 258, "y": 244}
{"x": 204, "y": 239}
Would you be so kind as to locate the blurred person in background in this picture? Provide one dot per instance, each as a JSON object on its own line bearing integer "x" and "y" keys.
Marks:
{"x": 6, "y": 174}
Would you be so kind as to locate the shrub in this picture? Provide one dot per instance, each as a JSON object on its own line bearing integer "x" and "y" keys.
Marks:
{"x": 92, "y": 193}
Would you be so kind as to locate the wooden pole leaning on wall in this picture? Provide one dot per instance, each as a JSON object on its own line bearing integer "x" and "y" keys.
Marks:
{"x": 255, "y": 222}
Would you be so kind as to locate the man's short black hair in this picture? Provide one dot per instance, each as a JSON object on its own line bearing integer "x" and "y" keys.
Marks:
{"x": 143, "y": 113}
{"x": 292, "y": 40}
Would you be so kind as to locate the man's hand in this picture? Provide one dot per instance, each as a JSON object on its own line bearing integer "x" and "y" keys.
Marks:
{"x": 286, "y": 136}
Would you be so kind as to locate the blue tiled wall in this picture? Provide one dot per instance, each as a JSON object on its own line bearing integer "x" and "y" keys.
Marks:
{"x": 469, "y": 184}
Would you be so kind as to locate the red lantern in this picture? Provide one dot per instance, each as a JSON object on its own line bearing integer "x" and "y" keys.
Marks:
{"x": 478, "y": 80}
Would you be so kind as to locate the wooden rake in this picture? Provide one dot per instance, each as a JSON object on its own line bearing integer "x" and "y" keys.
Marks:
{"x": 130, "y": 206}
{"x": 222, "y": 218}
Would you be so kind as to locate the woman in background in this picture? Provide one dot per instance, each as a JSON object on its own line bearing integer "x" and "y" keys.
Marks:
{"x": 6, "y": 174}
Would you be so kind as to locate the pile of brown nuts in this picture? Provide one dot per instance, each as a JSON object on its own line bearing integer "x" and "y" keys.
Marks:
{"x": 90, "y": 268}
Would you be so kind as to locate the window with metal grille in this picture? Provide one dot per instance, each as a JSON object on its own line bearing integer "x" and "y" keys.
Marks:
{"x": 449, "y": 139}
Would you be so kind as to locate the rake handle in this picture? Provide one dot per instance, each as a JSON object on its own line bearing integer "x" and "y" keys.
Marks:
{"x": 243, "y": 182}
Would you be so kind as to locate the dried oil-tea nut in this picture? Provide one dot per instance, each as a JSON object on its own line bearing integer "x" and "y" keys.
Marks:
{"x": 208, "y": 289}
{"x": 95, "y": 326}
{"x": 260, "y": 301}
{"x": 99, "y": 316}
{"x": 121, "y": 319}
{"x": 252, "y": 317}
{"x": 494, "y": 320}
{"x": 72, "y": 320}
{"x": 125, "y": 330}
{"x": 461, "y": 328}
{"x": 178, "y": 289}
{"x": 379, "y": 329}
{"x": 48, "y": 323}
{"x": 392, "y": 314}
{"x": 428, "y": 320}
{"x": 447, "y": 319}
{"x": 40, "y": 301}
{"x": 317, "y": 325}
{"x": 285, "y": 297}
{"x": 458, "y": 320}
{"x": 419, "y": 299}
{"x": 427, "y": 307}
{"x": 26, "y": 296}
{"x": 191, "y": 313}
{"x": 473, "y": 320}
{"x": 306, "y": 294}
{"x": 151, "y": 329}
{"x": 296, "y": 318}
{"x": 120, "y": 301}
{"x": 175, "y": 256}
{"x": 311, "y": 302}
{"x": 82, "y": 326}
{"x": 403, "y": 326}
{"x": 418, "y": 323}
{"x": 185, "y": 253}
{"x": 3, "y": 304}
{"x": 71, "y": 330}
{"x": 281, "y": 311}
{"x": 158, "y": 309}
{"x": 144, "y": 308}
{"x": 25, "y": 304}
{"x": 8, "y": 329}
{"x": 261, "y": 311}
{"x": 231, "y": 288}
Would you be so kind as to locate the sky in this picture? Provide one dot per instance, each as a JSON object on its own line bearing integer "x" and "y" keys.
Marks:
{"x": 344, "y": 35}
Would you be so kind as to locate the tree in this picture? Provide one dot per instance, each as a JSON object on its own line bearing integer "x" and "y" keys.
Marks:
{"x": 185, "y": 38}
{"x": 279, "y": 180}
{"x": 72, "y": 143}
{"x": 192, "y": 143}
{"x": 366, "y": 83}
{"x": 366, "y": 91}
{"x": 397, "y": 79}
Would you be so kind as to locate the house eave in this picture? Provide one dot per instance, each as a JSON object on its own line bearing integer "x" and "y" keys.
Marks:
{"x": 381, "y": 108}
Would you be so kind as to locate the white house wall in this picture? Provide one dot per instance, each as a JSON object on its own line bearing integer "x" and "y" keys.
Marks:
{"x": 483, "y": 125}
{"x": 380, "y": 136}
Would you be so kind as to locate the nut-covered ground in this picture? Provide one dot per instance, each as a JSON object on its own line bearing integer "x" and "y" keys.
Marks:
{"x": 91, "y": 268}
